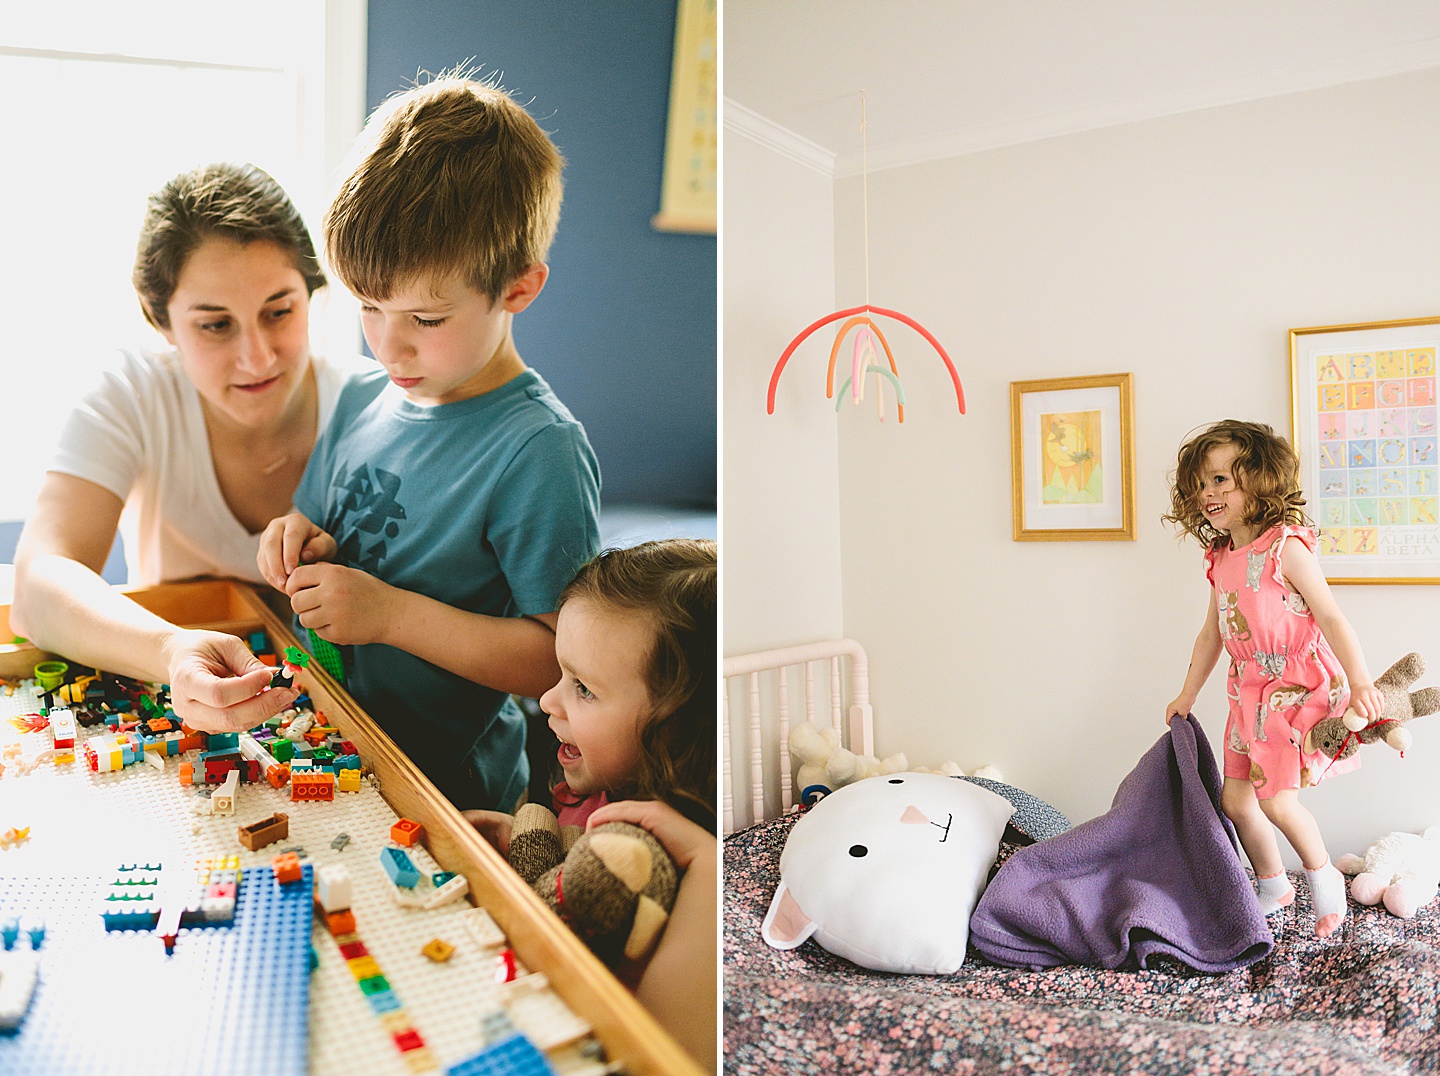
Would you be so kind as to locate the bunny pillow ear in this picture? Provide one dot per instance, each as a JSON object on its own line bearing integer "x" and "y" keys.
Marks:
{"x": 786, "y": 926}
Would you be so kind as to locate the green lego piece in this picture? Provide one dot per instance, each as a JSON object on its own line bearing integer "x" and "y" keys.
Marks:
{"x": 295, "y": 656}
{"x": 328, "y": 655}
{"x": 282, "y": 750}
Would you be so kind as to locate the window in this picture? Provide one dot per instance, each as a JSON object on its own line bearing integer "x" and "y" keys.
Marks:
{"x": 107, "y": 104}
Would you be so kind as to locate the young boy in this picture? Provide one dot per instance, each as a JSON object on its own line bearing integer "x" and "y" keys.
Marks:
{"x": 452, "y": 496}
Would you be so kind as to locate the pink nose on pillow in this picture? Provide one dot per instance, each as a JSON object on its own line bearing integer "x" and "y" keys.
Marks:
{"x": 915, "y": 816}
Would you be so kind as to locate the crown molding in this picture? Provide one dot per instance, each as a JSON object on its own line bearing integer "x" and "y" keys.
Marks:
{"x": 782, "y": 140}
{"x": 1382, "y": 63}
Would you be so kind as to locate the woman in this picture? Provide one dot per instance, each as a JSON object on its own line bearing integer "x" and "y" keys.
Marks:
{"x": 196, "y": 448}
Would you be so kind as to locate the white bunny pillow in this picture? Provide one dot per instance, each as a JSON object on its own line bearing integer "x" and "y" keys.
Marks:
{"x": 886, "y": 872}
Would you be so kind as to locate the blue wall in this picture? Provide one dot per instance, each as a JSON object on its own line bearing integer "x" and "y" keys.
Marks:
{"x": 625, "y": 329}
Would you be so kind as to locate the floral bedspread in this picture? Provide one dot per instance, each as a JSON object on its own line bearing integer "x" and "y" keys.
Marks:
{"x": 1362, "y": 1001}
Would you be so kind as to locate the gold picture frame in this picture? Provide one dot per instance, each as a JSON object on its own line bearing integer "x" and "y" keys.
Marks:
{"x": 1363, "y": 422}
{"x": 1072, "y": 459}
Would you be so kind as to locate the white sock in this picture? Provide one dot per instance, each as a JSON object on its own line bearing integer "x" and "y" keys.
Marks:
{"x": 1327, "y": 895}
{"x": 1276, "y": 892}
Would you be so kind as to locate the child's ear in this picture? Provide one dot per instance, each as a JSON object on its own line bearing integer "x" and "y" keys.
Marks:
{"x": 525, "y": 288}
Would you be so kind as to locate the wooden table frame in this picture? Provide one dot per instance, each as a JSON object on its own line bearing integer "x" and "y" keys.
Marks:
{"x": 541, "y": 941}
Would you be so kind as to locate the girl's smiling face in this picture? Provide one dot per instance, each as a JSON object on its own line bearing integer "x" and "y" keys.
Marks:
{"x": 1221, "y": 499}
{"x": 601, "y": 701}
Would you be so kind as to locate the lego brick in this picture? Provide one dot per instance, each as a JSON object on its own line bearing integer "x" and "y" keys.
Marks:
{"x": 266, "y": 831}
{"x": 406, "y": 832}
{"x": 515, "y": 1056}
{"x": 399, "y": 868}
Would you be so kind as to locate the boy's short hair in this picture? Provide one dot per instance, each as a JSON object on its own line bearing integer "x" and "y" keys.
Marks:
{"x": 456, "y": 179}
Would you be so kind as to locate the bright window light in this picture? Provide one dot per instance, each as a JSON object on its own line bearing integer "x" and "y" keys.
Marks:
{"x": 109, "y": 102}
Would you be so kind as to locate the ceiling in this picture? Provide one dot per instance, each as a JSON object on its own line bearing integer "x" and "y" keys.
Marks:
{"x": 945, "y": 77}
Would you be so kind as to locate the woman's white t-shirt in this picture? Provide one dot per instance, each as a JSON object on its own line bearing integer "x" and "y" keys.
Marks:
{"x": 141, "y": 434}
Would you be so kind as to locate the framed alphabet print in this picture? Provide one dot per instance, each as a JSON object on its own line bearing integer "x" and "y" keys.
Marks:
{"x": 1363, "y": 420}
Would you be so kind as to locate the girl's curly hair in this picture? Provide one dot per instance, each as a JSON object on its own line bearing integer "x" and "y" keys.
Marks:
{"x": 1266, "y": 470}
{"x": 671, "y": 584}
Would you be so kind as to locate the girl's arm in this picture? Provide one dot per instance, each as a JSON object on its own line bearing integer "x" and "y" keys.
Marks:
{"x": 348, "y": 606}
{"x": 1302, "y": 571}
{"x": 1202, "y": 661}
{"x": 62, "y": 605}
{"x": 678, "y": 985}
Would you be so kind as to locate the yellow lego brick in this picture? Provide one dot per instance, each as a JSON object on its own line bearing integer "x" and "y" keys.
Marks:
{"x": 395, "y": 1021}
{"x": 421, "y": 1060}
{"x": 438, "y": 951}
{"x": 363, "y": 967}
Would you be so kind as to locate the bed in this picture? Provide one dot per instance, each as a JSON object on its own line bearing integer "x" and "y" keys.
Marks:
{"x": 1362, "y": 1001}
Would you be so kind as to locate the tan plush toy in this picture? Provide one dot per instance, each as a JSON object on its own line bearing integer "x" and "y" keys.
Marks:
{"x": 1341, "y": 737}
{"x": 614, "y": 886}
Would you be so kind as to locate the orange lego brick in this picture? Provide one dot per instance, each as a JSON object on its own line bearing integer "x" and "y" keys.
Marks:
{"x": 438, "y": 950}
{"x": 278, "y": 775}
{"x": 187, "y": 773}
{"x": 341, "y": 922}
{"x": 312, "y": 786}
{"x": 287, "y": 867}
{"x": 406, "y": 832}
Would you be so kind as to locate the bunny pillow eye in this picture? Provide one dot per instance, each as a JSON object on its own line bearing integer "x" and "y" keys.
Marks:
{"x": 885, "y": 872}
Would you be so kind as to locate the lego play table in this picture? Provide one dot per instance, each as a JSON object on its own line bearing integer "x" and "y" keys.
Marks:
{"x": 567, "y": 999}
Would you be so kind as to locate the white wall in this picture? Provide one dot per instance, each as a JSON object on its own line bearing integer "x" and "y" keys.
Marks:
{"x": 780, "y": 520}
{"x": 1181, "y": 249}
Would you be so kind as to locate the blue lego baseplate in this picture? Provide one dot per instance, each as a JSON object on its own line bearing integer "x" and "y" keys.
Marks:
{"x": 229, "y": 1000}
{"x": 513, "y": 1056}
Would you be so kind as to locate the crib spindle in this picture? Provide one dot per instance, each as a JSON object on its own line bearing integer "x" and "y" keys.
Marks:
{"x": 757, "y": 782}
{"x": 835, "y": 697}
{"x": 728, "y": 794}
{"x": 785, "y": 779}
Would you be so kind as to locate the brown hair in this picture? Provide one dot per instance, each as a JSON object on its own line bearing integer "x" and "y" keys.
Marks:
{"x": 672, "y": 584}
{"x": 1266, "y": 470}
{"x": 232, "y": 201}
{"x": 456, "y": 178}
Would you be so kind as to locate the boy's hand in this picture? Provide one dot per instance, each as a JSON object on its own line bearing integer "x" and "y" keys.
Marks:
{"x": 345, "y": 605}
{"x": 1180, "y": 706}
{"x": 494, "y": 826}
{"x": 683, "y": 839}
{"x": 1367, "y": 701}
{"x": 289, "y": 541}
{"x": 217, "y": 685}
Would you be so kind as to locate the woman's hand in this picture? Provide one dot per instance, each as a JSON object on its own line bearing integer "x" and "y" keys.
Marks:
{"x": 683, "y": 839}
{"x": 344, "y": 605}
{"x": 494, "y": 826}
{"x": 218, "y": 685}
{"x": 286, "y": 543}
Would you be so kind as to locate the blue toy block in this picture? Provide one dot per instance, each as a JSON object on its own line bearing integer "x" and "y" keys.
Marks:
{"x": 399, "y": 867}
{"x": 383, "y": 1001}
{"x": 222, "y": 741}
{"x": 10, "y": 930}
{"x": 257, "y": 642}
{"x": 513, "y": 1056}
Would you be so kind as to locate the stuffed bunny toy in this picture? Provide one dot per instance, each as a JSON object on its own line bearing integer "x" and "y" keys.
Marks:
{"x": 1401, "y": 869}
{"x": 1341, "y": 737}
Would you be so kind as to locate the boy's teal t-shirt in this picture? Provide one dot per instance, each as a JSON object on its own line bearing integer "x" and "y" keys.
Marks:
{"x": 488, "y": 505}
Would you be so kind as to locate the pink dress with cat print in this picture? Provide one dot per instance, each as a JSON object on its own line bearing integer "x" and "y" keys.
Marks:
{"x": 1284, "y": 678}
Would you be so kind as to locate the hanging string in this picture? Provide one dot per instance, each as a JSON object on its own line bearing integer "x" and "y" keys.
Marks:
{"x": 865, "y": 197}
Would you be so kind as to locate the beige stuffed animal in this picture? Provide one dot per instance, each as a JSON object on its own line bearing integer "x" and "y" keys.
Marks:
{"x": 1341, "y": 737}
{"x": 825, "y": 765}
{"x": 614, "y": 886}
{"x": 1401, "y": 869}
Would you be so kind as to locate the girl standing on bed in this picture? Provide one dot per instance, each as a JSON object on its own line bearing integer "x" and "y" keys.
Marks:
{"x": 635, "y": 714}
{"x": 1294, "y": 659}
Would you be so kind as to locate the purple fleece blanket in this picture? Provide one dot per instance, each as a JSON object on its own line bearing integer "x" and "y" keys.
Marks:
{"x": 1158, "y": 875}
